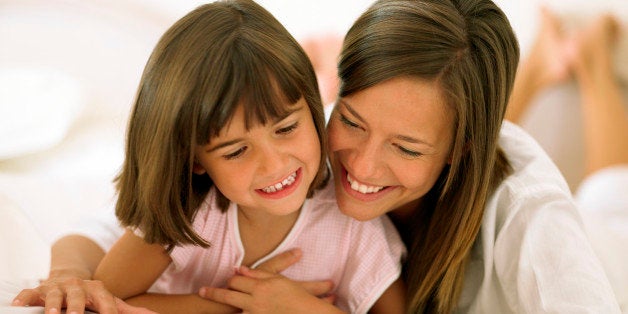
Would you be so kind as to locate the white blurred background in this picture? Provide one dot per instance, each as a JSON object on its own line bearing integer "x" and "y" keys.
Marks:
{"x": 68, "y": 74}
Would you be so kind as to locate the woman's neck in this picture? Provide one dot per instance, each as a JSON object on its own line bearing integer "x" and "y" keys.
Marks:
{"x": 402, "y": 217}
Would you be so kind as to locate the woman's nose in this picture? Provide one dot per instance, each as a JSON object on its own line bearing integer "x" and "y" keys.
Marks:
{"x": 365, "y": 160}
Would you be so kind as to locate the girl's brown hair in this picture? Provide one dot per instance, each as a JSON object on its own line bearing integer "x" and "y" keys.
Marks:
{"x": 219, "y": 56}
{"x": 469, "y": 48}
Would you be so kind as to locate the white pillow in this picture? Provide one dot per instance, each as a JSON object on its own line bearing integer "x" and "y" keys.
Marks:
{"x": 37, "y": 108}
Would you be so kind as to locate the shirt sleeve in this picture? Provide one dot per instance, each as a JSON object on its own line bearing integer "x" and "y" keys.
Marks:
{"x": 374, "y": 263}
{"x": 545, "y": 263}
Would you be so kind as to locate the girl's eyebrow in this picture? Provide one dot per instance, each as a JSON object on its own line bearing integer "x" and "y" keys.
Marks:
{"x": 234, "y": 141}
{"x": 289, "y": 111}
{"x": 224, "y": 144}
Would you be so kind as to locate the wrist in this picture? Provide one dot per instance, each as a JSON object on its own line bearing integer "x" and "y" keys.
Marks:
{"x": 69, "y": 272}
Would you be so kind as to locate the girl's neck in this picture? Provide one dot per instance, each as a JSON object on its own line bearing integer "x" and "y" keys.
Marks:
{"x": 261, "y": 232}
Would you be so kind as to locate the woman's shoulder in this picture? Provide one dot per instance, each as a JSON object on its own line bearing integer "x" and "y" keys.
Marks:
{"x": 533, "y": 170}
{"x": 534, "y": 184}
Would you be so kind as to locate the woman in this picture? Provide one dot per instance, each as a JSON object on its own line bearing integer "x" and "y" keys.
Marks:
{"x": 417, "y": 134}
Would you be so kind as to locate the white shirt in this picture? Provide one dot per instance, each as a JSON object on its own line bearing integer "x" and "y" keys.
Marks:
{"x": 532, "y": 254}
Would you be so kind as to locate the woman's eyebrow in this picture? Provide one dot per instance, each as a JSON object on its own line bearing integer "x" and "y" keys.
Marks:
{"x": 351, "y": 110}
{"x": 404, "y": 138}
{"x": 413, "y": 140}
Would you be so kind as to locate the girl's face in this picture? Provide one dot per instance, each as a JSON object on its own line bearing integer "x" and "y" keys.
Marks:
{"x": 388, "y": 144}
{"x": 269, "y": 167}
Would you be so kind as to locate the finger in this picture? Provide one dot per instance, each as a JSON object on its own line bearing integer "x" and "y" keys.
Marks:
{"x": 75, "y": 300}
{"x": 255, "y": 273}
{"x": 28, "y": 297}
{"x": 101, "y": 299}
{"x": 281, "y": 262}
{"x": 243, "y": 283}
{"x": 226, "y": 296}
{"x": 318, "y": 287}
{"x": 53, "y": 300}
{"x": 105, "y": 304}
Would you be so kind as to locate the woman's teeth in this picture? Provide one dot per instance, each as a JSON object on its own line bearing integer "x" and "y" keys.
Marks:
{"x": 362, "y": 188}
{"x": 281, "y": 185}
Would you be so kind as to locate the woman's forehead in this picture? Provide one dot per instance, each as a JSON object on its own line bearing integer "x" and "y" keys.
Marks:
{"x": 405, "y": 106}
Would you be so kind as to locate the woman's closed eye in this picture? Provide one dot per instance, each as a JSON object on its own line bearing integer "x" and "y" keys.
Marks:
{"x": 408, "y": 152}
{"x": 348, "y": 122}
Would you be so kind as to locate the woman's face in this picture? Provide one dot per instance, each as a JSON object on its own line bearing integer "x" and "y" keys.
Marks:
{"x": 388, "y": 144}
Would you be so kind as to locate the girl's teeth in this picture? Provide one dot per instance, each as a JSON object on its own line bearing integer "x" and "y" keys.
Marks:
{"x": 281, "y": 185}
{"x": 362, "y": 188}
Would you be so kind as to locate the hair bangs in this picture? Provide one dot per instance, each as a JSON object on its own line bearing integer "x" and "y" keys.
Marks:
{"x": 255, "y": 79}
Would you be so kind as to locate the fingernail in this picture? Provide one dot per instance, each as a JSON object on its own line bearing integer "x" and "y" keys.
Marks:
{"x": 202, "y": 291}
{"x": 16, "y": 302}
{"x": 297, "y": 252}
{"x": 53, "y": 311}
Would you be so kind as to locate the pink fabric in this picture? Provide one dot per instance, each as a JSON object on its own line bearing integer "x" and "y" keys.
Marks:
{"x": 362, "y": 258}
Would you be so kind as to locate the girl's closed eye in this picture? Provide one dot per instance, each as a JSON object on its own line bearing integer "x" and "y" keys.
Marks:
{"x": 236, "y": 153}
{"x": 289, "y": 129}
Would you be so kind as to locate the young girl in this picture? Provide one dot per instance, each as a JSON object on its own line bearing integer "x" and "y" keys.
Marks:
{"x": 225, "y": 144}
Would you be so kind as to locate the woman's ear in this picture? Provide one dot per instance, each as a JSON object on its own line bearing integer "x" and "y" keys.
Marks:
{"x": 198, "y": 168}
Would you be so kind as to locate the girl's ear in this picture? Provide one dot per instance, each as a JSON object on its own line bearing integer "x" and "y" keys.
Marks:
{"x": 198, "y": 168}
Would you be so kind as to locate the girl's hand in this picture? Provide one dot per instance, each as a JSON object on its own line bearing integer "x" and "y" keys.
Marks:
{"x": 76, "y": 295}
{"x": 259, "y": 291}
{"x": 263, "y": 290}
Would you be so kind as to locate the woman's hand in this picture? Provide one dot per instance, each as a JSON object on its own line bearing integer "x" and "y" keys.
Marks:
{"x": 263, "y": 290}
{"x": 76, "y": 295}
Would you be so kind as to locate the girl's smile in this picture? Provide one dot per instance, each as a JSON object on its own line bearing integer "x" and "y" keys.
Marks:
{"x": 283, "y": 187}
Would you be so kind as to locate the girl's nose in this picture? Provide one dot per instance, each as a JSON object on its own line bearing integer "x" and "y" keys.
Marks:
{"x": 272, "y": 158}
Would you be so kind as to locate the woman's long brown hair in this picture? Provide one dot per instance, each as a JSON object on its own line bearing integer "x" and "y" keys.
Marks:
{"x": 469, "y": 48}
